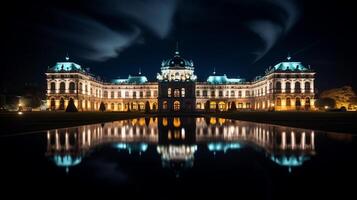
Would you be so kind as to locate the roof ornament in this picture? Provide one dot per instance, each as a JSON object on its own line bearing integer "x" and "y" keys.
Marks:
{"x": 177, "y": 52}
{"x": 214, "y": 70}
{"x": 139, "y": 70}
{"x": 67, "y": 57}
{"x": 289, "y": 57}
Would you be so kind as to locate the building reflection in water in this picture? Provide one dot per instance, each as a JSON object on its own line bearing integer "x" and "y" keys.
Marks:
{"x": 177, "y": 139}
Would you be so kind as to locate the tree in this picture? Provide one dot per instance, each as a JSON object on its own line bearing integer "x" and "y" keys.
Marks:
{"x": 147, "y": 107}
{"x": 233, "y": 107}
{"x": 71, "y": 107}
{"x": 102, "y": 107}
{"x": 207, "y": 108}
{"x": 323, "y": 102}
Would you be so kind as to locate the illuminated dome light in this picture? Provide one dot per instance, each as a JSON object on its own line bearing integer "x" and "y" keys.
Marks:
{"x": 223, "y": 146}
{"x": 140, "y": 147}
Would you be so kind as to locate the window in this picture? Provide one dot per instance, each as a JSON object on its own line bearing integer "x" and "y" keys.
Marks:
{"x": 164, "y": 105}
{"x": 148, "y": 93}
{"x": 220, "y": 93}
{"x": 240, "y": 105}
{"x": 204, "y": 93}
{"x": 182, "y": 92}
{"x": 278, "y": 102}
{"x": 213, "y": 93}
{"x": 62, "y": 87}
{"x": 176, "y": 106}
{"x": 119, "y": 94}
{"x": 112, "y": 94}
{"x": 278, "y": 87}
{"x": 287, "y": 87}
{"x": 126, "y": 94}
{"x": 227, "y": 93}
{"x": 198, "y": 106}
{"x": 198, "y": 93}
{"x": 141, "y": 94}
{"x": 240, "y": 93}
{"x": 307, "y": 87}
{"x": 233, "y": 94}
{"x": 155, "y": 93}
{"x": 112, "y": 106}
{"x": 297, "y": 102}
{"x": 105, "y": 94}
{"x": 307, "y": 102}
{"x": 212, "y": 105}
{"x": 53, "y": 87}
{"x": 288, "y": 102}
{"x": 247, "y": 105}
{"x": 169, "y": 92}
{"x": 72, "y": 87}
{"x": 247, "y": 93}
{"x": 297, "y": 87}
{"x": 176, "y": 93}
{"x": 134, "y": 94}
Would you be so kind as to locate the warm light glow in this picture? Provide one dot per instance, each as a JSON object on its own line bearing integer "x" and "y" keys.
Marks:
{"x": 20, "y": 113}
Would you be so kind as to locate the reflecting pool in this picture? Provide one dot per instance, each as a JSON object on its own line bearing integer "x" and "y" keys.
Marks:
{"x": 178, "y": 156}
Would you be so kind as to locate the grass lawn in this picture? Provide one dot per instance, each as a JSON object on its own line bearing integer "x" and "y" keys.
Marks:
{"x": 327, "y": 121}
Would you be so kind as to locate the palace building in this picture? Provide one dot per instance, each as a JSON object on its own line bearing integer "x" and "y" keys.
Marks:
{"x": 288, "y": 85}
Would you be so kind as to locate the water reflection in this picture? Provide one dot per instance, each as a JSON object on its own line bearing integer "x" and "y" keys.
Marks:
{"x": 176, "y": 140}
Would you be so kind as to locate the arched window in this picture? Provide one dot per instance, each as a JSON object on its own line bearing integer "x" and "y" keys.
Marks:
{"x": 72, "y": 87}
{"x": 307, "y": 87}
{"x": 105, "y": 94}
{"x": 204, "y": 93}
{"x": 61, "y": 107}
{"x": 62, "y": 87}
{"x": 297, "y": 102}
{"x": 287, "y": 87}
{"x": 278, "y": 87}
{"x": 176, "y": 105}
{"x": 169, "y": 92}
{"x": 212, "y": 105}
{"x": 164, "y": 105}
{"x": 176, "y": 93}
{"x": 112, "y": 95}
{"x": 112, "y": 106}
{"x": 53, "y": 87}
{"x": 278, "y": 102}
{"x": 307, "y": 103}
{"x": 297, "y": 87}
{"x": 53, "y": 104}
{"x": 288, "y": 101}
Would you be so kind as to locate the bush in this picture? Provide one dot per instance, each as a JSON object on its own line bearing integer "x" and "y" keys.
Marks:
{"x": 321, "y": 103}
{"x": 71, "y": 107}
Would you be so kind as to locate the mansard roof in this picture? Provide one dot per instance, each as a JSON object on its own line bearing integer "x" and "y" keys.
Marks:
{"x": 66, "y": 66}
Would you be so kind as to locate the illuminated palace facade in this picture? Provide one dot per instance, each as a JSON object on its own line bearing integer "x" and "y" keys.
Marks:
{"x": 286, "y": 86}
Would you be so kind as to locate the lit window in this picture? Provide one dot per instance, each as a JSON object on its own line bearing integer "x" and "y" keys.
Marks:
{"x": 182, "y": 92}
{"x": 169, "y": 92}
{"x": 164, "y": 105}
{"x": 176, "y": 106}
{"x": 177, "y": 93}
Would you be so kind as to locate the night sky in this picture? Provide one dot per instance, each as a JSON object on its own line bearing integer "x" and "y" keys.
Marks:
{"x": 237, "y": 37}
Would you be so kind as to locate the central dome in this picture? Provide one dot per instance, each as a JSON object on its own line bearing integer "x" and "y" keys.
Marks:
{"x": 177, "y": 62}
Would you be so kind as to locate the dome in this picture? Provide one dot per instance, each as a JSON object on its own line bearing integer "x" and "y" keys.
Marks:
{"x": 288, "y": 66}
{"x": 177, "y": 62}
{"x": 66, "y": 160}
{"x": 66, "y": 66}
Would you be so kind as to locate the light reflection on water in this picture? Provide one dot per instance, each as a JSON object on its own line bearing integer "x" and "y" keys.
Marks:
{"x": 177, "y": 140}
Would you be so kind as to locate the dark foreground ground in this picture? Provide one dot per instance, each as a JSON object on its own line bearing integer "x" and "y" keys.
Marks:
{"x": 327, "y": 121}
